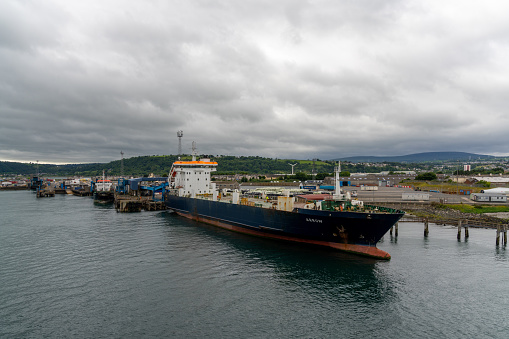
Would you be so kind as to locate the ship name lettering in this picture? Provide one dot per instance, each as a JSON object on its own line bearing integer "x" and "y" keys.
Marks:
{"x": 314, "y": 220}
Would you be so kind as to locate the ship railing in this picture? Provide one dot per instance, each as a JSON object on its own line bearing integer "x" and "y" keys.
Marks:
{"x": 337, "y": 206}
{"x": 383, "y": 209}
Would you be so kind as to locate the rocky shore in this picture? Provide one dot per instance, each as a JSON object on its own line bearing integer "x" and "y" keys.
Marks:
{"x": 438, "y": 212}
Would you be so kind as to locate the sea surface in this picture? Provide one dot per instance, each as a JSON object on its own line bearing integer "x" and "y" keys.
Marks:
{"x": 69, "y": 268}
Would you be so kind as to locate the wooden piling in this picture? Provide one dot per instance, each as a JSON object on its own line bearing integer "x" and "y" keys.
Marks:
{"x": 505, "y": 234}
{"x": 466, "y": 232}
{"x": 459, "y": 228}
{"x": 426, "y": 229}
{"x": 497, "y": 242}
{"x": 396, "y": 229}
{"x": 392, "y": 228}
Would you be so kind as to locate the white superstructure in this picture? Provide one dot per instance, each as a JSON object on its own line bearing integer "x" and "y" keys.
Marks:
{"x": 192, "y": 177}
{"x": 103, "y": 185}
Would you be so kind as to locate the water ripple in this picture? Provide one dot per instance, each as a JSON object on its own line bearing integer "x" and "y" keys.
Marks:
{"x": 72, "y": 269}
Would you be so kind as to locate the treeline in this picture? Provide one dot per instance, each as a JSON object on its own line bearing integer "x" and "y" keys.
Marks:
{"x": 161, "y": 164}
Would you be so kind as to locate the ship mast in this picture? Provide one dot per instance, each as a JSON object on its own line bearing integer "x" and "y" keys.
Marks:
{"x": 194, "y": 150}
{"x": 337, "y": 188}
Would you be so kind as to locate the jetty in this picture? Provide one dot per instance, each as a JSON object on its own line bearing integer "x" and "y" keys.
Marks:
{"x": 128, "y": 203}
{"x": 14, "y": 188}
{"x": 82, "y": 192}
{"x": 134, "y": 195}
{"x": 44, "y": 193}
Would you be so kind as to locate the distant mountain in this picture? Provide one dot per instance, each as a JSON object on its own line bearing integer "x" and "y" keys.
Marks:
{"x": 420, "y": 157}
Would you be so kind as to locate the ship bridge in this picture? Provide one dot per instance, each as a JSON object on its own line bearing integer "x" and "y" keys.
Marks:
{"x": 192, "y": 177}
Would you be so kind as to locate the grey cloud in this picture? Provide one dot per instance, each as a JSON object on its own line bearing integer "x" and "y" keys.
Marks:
{"x": 285, "y": 79}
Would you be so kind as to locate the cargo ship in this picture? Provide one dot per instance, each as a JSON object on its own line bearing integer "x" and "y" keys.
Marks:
{"x": 337, "y": 221}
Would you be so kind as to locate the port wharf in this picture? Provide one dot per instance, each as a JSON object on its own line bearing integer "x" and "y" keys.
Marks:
{"x": 14, "y": 188}
{"x": 129, "y": 203}
{"x": 135, "y": 195}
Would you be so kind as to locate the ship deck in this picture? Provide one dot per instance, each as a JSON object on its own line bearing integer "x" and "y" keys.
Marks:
{"x": 309, "y": 204}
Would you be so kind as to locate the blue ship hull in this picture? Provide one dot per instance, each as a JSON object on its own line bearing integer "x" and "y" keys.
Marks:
{"x": 356, "y": 232}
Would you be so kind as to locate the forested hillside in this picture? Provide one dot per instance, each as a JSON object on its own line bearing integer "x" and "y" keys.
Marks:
{"x": 160, "y": 166}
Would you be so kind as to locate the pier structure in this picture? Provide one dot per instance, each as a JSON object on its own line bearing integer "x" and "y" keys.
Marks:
{"x": 44, "y": 193}
{"x": 502, "y": 229}
{"x": 464, "y": 224}
{"x": 129, "y": 203}
{"x": 132, "y": 196}
{"x": 82, "y": 191}
{"x": 395, "y": 228}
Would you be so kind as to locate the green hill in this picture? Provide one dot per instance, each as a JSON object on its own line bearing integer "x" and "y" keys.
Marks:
{"x": 160, "y": 165}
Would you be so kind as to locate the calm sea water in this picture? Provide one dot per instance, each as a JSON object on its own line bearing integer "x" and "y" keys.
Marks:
{"x": 69, "y": 268}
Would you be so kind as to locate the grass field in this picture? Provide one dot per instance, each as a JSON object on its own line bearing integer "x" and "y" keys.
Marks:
{"x": 478, "y": 209}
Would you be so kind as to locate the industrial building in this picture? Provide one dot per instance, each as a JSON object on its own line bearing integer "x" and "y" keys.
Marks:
{"x": 371, "y": 179}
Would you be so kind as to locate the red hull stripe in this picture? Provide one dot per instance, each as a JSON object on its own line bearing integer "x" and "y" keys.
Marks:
{"x": 369, "y": 251}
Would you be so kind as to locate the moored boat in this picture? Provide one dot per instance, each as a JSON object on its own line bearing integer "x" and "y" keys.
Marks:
{"x": 103, "y": 191}
{"x": 337, "y": 221}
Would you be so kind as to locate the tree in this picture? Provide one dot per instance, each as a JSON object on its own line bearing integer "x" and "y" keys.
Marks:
{"x": 429, "y": 176}
{"x": 484, "y": 183}
{"x": 301, "y": 176}
{"x": 321, "y": 176}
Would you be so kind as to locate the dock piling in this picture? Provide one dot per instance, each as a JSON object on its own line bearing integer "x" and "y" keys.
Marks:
{"x": 426, "y": 229}
{"x": 396, "y": 229}
{"x": 497, "y": 242}
{"x": 460, "y": 222}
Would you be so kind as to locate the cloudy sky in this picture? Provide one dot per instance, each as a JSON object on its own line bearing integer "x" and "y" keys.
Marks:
{"x": 82, "y": 80}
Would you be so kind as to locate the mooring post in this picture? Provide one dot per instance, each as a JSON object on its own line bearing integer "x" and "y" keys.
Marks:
{"x": 505, "y": 234}
{"x": 466, "y": 231}
{"x": 390, "y": 232}
{"x": 498, "y": 235}
{"x": 396, "y": 229}
{"x": 426, "y": 229}
{"x": 459, "y": 228}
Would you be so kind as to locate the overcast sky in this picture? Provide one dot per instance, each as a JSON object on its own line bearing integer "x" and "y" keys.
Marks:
{"x": 82, "y": 80}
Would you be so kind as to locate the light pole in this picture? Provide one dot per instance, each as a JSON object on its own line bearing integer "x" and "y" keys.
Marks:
{"x": 458, "y": 181}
